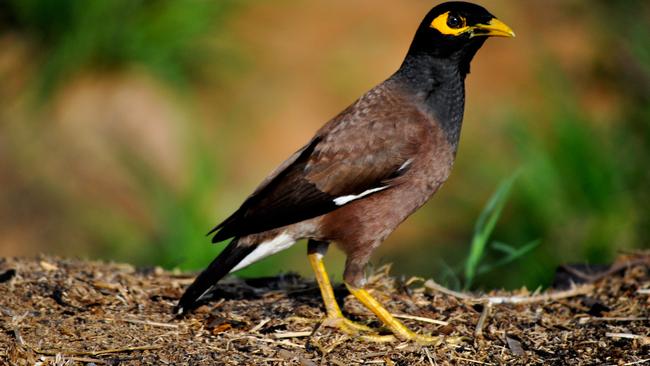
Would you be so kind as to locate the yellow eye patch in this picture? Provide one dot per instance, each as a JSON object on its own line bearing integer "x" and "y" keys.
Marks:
{"x": 443, "y": 21}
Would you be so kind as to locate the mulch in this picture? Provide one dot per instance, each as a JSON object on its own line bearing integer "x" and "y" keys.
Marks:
{"x": 57, "y": 311}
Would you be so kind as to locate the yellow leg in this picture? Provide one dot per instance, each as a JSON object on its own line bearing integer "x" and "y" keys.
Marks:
{"x": 395, "y": 326}
{"x": 335, "y": 317}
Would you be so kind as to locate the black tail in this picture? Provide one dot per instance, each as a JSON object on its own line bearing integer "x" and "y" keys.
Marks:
{"x": 220, "y": 266}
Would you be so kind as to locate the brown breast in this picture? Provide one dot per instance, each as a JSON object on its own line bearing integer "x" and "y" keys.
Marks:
{"x": 360, "y": 226}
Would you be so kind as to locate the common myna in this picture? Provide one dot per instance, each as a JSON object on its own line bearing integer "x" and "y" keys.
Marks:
{"x": 366, "y": 170}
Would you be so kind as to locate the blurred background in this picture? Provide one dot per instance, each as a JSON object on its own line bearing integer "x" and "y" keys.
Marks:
{"x": 129, "y": 128}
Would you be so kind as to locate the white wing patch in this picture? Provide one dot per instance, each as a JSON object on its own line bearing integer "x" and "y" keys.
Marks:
{"x": 340, "y": 201}
{"x": 405, "y": 165}
{"x": 265, "y": 249}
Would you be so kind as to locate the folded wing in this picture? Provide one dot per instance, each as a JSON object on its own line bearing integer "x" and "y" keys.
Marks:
{"x": 350, "y": 158}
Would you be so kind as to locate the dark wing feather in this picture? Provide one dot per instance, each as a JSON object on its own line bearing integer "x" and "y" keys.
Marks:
{"x": 220, "y": 266}
{"x": 349, "y": 155}
{"x": 285, "y": 199}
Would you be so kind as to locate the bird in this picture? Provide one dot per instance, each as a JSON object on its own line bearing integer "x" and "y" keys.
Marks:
{"x": 363, "y": 172}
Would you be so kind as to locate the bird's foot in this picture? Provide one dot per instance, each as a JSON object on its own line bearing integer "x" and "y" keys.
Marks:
{"x": 346, "y": 325}
{"x": 369, "y": 334}
{"x": 355, "y": 329}
{"x": 408, "y": 335}
{"x": 399, "y": 330}
{"x": 403, "y": 333}
{"x": 423, "y": 340}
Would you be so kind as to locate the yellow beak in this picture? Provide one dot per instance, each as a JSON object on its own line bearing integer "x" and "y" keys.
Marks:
{"x": 495, "y": 28}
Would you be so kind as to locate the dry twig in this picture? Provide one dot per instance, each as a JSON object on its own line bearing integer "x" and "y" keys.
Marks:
{"x": 576, "y": 291}
{"x": 612, "y": 319}
{"x": 420, "y": 319}
{"x": 643, "y": 339}
{"x": 478, "y": 331}
{"x": 496, "y": 300}
{"x": 144, "y": 322}
{"x": 292, "y": 334}
{"x": 433, "y": 285}
{"x": 428, "y": 354}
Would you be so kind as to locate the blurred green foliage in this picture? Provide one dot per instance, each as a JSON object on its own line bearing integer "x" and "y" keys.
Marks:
{"x": 175, "y": 42}
{"x": 76, "y": 35}
{"x": 585, "y": 187}
{"x": 181, "y": 217}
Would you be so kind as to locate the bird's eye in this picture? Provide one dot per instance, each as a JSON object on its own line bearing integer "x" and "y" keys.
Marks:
{"x": 454, "y": 21}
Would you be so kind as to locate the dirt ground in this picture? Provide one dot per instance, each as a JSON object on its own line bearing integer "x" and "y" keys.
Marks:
{"x": 69, "y": 312}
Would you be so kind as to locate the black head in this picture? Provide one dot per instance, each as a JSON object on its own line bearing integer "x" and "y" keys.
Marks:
{"x": 454, "y": 26}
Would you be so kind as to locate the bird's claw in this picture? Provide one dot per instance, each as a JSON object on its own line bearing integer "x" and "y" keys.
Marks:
{"x": 346, "y": 325}
{"x": 366, "y": 333}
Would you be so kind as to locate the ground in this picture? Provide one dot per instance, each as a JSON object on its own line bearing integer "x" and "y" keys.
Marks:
{"x": 70, "y": 312}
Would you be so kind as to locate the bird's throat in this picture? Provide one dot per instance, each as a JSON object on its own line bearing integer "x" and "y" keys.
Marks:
{"x": 439, "y": 85}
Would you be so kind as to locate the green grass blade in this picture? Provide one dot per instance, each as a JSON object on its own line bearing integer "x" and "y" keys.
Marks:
{"x": 485, "y": 225}
{"x": 503, "y": 247}
{"x": 511, "y": 257}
